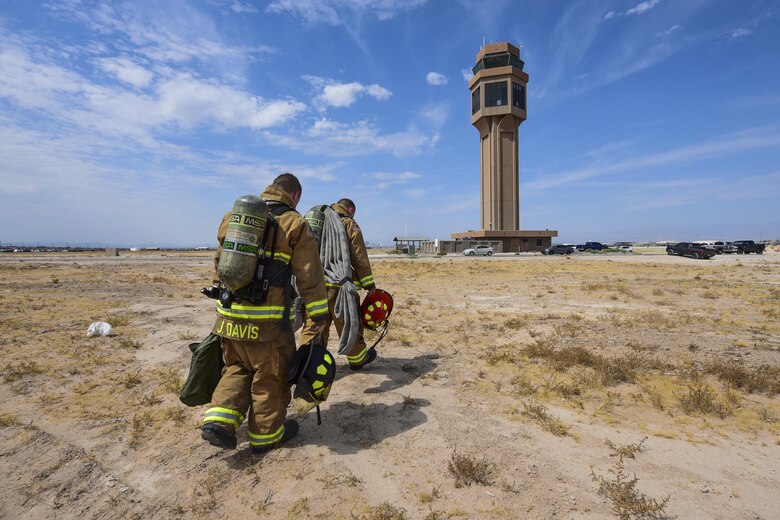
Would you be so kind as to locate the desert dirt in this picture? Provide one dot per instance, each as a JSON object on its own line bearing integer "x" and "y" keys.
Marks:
{"x": 508, "y": 387}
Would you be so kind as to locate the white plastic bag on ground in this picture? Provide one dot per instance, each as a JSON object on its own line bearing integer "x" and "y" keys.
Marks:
{"x": 100, "y": 328}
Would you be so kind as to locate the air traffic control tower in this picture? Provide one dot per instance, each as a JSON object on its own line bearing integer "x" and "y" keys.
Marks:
{"x": 498, "y": 106}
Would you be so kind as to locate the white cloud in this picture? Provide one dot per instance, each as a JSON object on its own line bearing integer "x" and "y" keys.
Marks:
{"x": 674, "y": 28}
{"x": 466, "y": 74}
{"x": 751, "y": 139}
{"x": 435, "y": 115}
{"x": 642, "y": 7}
{"x": 340, "y": 12}
{"x": 741, "y": 32}
{"x": 339, "y": 95}
{"x": 415, "y": 192}
{"x": 173, "y": 32}
{"x": 391, "y": 179}
{"x": 35, "y": 82}
{"x": 336, "y": 139}
{"x": 127, "y": 71}
{"x": 242, "y": 7}
{"x": 639, "y": 8}
{"x": 189, "y": 101}
{"x": 436, "y": 79}
{"x": 395, "y": 177}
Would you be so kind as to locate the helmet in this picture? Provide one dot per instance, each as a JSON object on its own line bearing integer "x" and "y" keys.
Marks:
{"x": 376, "y": 308}
{"x": 312, "y": 371}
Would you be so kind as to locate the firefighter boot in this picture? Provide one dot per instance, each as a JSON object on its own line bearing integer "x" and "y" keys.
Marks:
{"x": 290, "y": 431}
{"x": 370, "y": 356}
{"x": 219, "y": 437}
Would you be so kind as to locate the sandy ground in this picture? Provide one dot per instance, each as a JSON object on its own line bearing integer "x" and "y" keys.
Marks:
{"x": 508, "y": 387}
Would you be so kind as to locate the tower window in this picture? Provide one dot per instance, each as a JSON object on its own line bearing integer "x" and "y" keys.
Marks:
{"x": 518, "y": 95}
{"x": 475, "y": 101}
{"x": 495, "y": 94}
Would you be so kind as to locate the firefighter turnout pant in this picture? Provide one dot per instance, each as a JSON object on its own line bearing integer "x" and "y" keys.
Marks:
{"x": 254, "y": 379}
{"x": 357, "y": 354}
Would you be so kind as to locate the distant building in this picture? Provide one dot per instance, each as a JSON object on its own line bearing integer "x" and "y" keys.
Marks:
{"x": 408, "y": 244}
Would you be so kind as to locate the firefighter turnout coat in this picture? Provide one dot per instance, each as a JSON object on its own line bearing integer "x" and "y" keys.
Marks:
{"x": 257, "y": 338}
{"x": 362, "y": 277}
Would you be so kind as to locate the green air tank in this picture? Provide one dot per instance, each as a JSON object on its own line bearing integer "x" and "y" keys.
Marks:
{"x": 238, "y": 261}
{"x": 316, "y": 219}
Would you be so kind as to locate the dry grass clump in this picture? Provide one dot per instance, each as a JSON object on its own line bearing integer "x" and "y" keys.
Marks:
{"x": 14, "y": 372}
{"x": 566, "y": 390}
{"x": 500, "y": 354}
{"x": 522, "y": 386}
{"x": 131, "y": 380}
{"x": 627, "y": 501}
{"x": 7, "y": 420}
{"x": 764, "y": 379}
{"x": 130, "y": 344}
{"x": 767, "y": 415}
{"x": 384, "y": 511}
{"x": 610, "y": 371}
{"x": 468, "y": 469}
{"x": 116, "y": 320}
{"x": 702, "y": 399}
{"x": 330, "y": 480}
{"x": 516, "y": 322}
{"x": 170, "y": 379}
{"x": 187, "y": 336}
{"x": 539, "y": 413}
{"x": 626, "y": 450}
{"x": 142, "y": 422}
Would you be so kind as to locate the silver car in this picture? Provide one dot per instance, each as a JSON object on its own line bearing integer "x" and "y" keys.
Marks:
{"x": 479, "y": 250}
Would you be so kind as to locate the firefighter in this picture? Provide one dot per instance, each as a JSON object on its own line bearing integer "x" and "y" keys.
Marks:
{"x": 257, "y": 338}
{"x": 359, "y": 355}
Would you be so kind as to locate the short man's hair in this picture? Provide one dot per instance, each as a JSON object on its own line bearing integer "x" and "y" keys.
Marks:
{"x": 288, "y": 182}
{"x": 347, "y": 203}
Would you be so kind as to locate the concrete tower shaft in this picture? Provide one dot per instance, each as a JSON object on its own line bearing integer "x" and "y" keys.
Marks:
{"x": 498, "y": 106}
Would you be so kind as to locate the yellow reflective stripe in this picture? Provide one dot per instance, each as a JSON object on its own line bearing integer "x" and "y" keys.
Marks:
{"x": 264, "y": 440}
{"x": 282, "y": 257}
{"x": 317, "y": 308}
{"x": 252, "y": 312}
{"x": 357, "y": 358}
{"x": 367, "y": 280}
{"x": 223, "y": 415}
{"x": 328, "y": 284}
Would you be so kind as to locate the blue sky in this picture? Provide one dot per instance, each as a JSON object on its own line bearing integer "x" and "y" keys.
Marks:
{"x": 138, "y": 123}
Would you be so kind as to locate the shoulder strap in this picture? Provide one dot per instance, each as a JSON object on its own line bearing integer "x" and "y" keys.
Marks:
{"x": 279, "y": 208}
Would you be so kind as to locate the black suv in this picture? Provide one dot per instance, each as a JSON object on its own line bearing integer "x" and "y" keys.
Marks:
{"x": 559, "y": 250}
{"x": 691, "y": 249}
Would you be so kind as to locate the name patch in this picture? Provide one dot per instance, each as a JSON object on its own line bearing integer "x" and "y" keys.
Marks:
{"x": 238, "y": 330}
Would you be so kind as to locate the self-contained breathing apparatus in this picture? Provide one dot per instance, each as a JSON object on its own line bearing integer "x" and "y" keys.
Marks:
{"x": 247, "y": 267}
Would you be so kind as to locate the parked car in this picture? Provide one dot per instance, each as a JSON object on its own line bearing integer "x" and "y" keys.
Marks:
{"x": 717, "y": 245}
{"x": 560, "y": 249}
{"x": 625, "y": 249}
{"x": 691, "y": 249}
{"x": 748, "y": 246}
{"x": 594, "y": 246}
{"x": 729, "y": 248}
{"x": 479, "y": 250}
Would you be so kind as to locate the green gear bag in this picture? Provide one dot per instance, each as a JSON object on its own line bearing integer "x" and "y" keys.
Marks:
{"x": 205, "y": 371}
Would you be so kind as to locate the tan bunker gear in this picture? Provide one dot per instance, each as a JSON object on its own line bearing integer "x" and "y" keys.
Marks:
{"x": 258, "y": 341}
{"x": 362, "y": 277}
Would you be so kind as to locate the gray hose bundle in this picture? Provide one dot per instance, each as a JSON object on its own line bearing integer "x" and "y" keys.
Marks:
{"x": 336, "y": 261}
